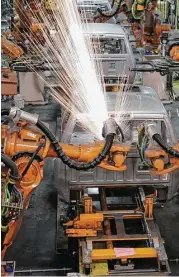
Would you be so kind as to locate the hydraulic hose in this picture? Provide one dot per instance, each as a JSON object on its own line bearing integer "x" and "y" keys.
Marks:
{"x": 119, "y": 130}
{"x": 10, "y": 164}
{"x": 110, "y": 15}
{"x": 32, "y": 159}
{"x": 66, "y": 160}
{"x": 109, "y": 132}
{"x": 165, "y": 146}
{"x": 113, "y": 1}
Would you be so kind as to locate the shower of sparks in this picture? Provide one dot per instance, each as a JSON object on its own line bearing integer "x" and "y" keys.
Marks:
{"x": 69, "y": 54}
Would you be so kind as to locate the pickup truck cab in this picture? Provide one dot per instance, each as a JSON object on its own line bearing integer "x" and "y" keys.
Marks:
{"x": 113, "y": 49}
{"x": 141, "y": 104}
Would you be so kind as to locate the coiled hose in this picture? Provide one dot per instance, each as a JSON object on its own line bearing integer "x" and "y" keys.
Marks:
{"x": 10, "y": 164}
{"x": 66, "y": 160}
{"x": 165, "y": 146}
{"x": 110, "y": 15}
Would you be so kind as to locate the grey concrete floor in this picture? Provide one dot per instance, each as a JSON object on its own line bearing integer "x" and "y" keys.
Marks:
{"x": 34, "y": 246}
{"x": 168, "y": 222}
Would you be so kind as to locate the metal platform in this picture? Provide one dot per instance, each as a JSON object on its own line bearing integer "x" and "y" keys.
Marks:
{"x": 116, "y": 232}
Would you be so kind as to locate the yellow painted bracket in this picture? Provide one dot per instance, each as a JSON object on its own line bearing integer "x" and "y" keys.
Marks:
{"x": 109, "y": 254}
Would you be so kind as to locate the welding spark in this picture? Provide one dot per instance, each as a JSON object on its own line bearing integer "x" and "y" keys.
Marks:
{"x": 70, "y": 58}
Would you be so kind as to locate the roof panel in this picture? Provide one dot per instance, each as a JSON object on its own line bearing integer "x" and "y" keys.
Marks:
{"x": 103, "y": 28}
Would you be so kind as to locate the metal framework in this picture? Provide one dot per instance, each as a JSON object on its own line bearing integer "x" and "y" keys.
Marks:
{"x": 116, "y": 232}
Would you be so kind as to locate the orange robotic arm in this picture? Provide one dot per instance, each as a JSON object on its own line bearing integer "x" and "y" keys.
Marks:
{"x": 26, "y": 140}
{"x": 163, "y": 159}
{"x": 20, "y": 146}
{"x": 11, "y": 49}
{"x": 157, "y": 158}
{"x": 174, "y": 53}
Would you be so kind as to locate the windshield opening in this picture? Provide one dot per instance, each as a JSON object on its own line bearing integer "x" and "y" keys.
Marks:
{"x": 109, "y": 45}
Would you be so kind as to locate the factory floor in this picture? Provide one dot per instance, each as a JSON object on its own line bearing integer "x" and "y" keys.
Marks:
{"x": 34, "y": 247}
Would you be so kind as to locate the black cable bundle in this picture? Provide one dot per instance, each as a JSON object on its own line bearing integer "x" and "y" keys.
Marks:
{"x": 10, "y": 164}
{"x": 66, "y": 160}
{"x": 110, "y": 15}
{"x": 165, "y": 146}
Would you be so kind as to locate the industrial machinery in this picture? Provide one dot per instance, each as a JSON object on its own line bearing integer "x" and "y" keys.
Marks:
{"x": 27, "y": 148}
{"x": 133, "y": 8}
{"x": 21, "y": 24}
{"x": 88, "y": 10}
{"x": 170, "y": 45}
{"x": 142, "y": 104}
{"x": 142, "y": 15}
{"x": 116, "y": 232}
{"x": 163, "y": 66}
{"x": 107, "y": 189}
{"x": 155, "y": 180}
{"x": 111, "y": 47}
{"x": 167, "y": 63}
{"x": 170, "y": 12}
{"x": 110, "y": 210}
